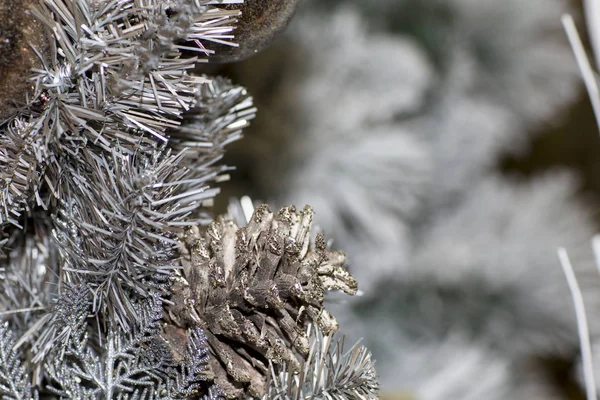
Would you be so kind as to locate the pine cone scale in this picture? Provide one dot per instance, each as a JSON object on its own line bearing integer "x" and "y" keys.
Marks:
{"x": 256, "y": 288}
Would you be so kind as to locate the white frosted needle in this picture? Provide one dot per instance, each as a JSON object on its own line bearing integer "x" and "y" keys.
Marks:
{"x": 592, "y": 17}
{"x": 582, "y": 325}
{"x": 247, "y": 207}
{"x": 583, "y": 62}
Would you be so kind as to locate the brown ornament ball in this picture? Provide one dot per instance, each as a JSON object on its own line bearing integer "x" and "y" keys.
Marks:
{"x": 260, "y": 23}
{"x": 18, "y": 30}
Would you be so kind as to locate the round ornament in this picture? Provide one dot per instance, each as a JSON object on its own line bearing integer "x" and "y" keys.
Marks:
{"x": 261, "y": 22}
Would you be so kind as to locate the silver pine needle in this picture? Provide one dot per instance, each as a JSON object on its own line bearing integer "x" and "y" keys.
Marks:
{"x": 116, "y": 232}
{"x": 113, "y": 79}
{"x": 134, "y": 364}
{"x": 327, "y": 373}
{"x": 14, "y": 382}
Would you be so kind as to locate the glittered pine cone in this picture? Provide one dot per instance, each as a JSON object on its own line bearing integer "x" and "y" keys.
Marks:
{"x": 254, "y": 289}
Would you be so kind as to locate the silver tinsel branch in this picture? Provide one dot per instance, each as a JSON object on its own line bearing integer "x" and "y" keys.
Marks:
{"x": 114, "y": 79}
{"x": 329, "y": 372}
{"x": 134, "y": 364}
{"x": 111, "y": 89}
{"x": 127, "y": 238}
{"x": 14, "y": 382}
{"x": 112, "y": 283}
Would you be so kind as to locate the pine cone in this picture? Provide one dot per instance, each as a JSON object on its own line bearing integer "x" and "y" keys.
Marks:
{"x": 253, "y": 290}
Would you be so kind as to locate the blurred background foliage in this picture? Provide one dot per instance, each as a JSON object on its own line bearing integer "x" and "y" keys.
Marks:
{"x": 572, "y": 142}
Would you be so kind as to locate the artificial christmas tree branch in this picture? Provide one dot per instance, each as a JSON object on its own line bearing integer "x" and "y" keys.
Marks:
{"x": 117, "y": 283}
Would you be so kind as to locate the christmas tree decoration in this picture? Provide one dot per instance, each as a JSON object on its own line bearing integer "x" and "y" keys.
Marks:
{"x": 135, "y": 363}
{"x": 96, "y": 119}
{"x": 260, "y": 22}
{"x": 114, "y": 283}
{"x": 253, "y": 289}
{"x": 14, "y": 382}
{"x": 329, "y": 372}
{"x": 83, "y": 101}
{"x": 118, "y": 280}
